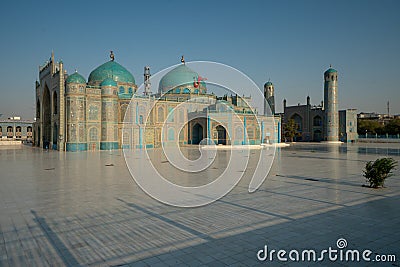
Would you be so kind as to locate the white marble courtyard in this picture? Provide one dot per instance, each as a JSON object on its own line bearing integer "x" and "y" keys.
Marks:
{"x": 79, "y": 209}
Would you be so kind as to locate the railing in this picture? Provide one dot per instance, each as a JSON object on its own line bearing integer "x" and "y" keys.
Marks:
{"x": 371, "y": 138}
{"x": 377, "y": 136}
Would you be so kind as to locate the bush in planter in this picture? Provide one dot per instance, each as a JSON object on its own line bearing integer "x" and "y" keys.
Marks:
{"x": 376, "y": 172}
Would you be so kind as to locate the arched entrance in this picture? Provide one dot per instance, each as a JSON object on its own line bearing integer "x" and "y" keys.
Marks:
{"x": 317, "y": 136}
{"x": 197, "y": 134}
{"x": 18, "y": 132}
{"x": 55, "y": 136}
{"x": 38, "y": 137}
{"x": 221, "y": 135}
{"x": 46, "y": 118}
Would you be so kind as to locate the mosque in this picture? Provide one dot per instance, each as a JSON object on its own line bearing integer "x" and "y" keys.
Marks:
{"x": 106, "y": 112}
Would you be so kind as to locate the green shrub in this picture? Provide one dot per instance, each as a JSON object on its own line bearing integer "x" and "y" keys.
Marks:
{"x": 376, "y": 172}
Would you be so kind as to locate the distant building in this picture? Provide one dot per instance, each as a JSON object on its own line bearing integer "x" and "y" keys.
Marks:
{"x": 348, "y": 125}
{"x": 309, "y": 120}
{"x": 14, "y": 128}
{"x": 383, "y": 119}
{"x": 322, "y": 122}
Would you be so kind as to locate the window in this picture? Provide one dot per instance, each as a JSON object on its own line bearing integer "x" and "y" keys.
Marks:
{"x": 93, "y": 134}
{"x": 121, "y": 90}
{"x": 160, "y": 112}
{"x": 186, "y": 91}
{"x": 123, "y": 109}
{"x": 130, "y": 90}
{"x": 178, "y": 90}
{"x": 55, "y": 107}
{"x": 171, "y": 114}
{"x": 10, "y": 132}
{"x": 93, "y": 112}
{"x": 299, "y": 121}
{"x": 171, "y": 134}
{"x": 38, "y": 109}
{"x": 28, "y": 131}
{"x": 317, "y": 121}
{"x": 18, "y": 132}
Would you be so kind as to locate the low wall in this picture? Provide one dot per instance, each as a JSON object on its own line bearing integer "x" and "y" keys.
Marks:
{"x": 10, "y": 143}
{"x": 378, "y": 140}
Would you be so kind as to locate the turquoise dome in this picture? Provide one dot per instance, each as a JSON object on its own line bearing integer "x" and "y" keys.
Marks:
{"x": 111, "y": 69}
{"x": 181, "y": 75}
{"x": 108, "y": 82}
{"x": 268, "y": 83}
{"x": 75, "y": 78}
{"x": 330, "y": 70}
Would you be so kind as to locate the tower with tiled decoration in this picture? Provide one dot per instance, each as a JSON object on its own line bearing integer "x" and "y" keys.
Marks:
{"x": 75, "y": 108}
{"x": 269, "y": 98}
{"x": 331, "y": 125}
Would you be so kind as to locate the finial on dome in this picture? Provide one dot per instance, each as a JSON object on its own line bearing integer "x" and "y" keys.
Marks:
{"x": 330, "y": 66}
{"x": 112, "y": 55}
{"x": 182, "y": 60}
{"x": 76, "y": 71}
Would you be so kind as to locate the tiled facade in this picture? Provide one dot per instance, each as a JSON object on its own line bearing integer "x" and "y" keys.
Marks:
{"x": 76, "y": 115}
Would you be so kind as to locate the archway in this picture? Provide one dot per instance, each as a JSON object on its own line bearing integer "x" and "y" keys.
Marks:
{"x": 10, "y": 132}
{"x": 221, "y": 135}
{"x": 317, "y": 121}
{"x": 38, "y": 109}
{"x": 317, "y": 136}
{"x": 55, "y": 134}
{"x": 29, "y": 132}
{"x": 18, "y": 132}
{"x": 299, "y": 121}
{"x": 46, "y": 118}
{"x": 55, "y": 103}
{"x": 197, "y": 134}
{"x": 38, "y": 137}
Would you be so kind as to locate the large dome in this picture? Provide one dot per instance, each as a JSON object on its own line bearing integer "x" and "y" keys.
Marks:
{"x": 179, "y": 76}
{"x": 113, "y": 70}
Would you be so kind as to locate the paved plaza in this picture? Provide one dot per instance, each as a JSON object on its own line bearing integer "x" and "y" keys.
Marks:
{"x": 79, "y": 209}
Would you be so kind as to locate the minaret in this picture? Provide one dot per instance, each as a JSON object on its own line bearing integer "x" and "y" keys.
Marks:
{"x": 331, "y": 125}
{"x": 147, "y": 84}
{"x": 269, "y": 98}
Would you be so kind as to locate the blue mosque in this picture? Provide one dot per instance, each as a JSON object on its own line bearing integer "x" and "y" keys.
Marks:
{"x": 106, "y": 112}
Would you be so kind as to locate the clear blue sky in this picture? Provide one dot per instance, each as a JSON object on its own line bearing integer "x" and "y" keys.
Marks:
{"x": 290, "y": 42}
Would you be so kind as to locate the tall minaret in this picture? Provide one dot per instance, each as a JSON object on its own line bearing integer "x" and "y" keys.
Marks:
{"x": 269, "y": 98}
{"x": 147, "y": 84}
{"x": 331, "y": 125}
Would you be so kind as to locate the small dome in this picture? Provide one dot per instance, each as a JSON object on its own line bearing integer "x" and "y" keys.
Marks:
{"x": 181, "y": 75}
{"x": 108, "y": 82}
{"x": 330, "y": 70}
{"x": 268, "y": 84}
{"x": 111, "y": 69}
{"x": 75, "y": 78}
